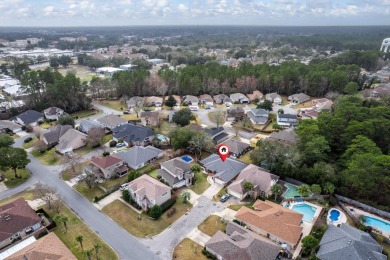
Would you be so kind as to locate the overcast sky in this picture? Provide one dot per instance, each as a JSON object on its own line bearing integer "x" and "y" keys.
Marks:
{"x": 193, "y": 12}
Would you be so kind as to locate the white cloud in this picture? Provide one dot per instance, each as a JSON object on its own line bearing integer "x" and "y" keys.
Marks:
{"x": 182, "y": 8}
{"x": 49, "y": 10}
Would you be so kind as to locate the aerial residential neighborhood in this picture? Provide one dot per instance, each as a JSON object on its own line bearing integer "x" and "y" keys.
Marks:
{"x": 183, "y": 142}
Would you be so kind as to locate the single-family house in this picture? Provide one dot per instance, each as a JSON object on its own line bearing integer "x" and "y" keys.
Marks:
{"x": 322, "y": 104}
{"x": 310, "y": 113}
{"x": 236, "y": 147}
{"x": 133, "y": 135}
{"x": 29, "y": 117}
{"x": 207, "y": 100}
{"x": 286, "y": 136}
{"x": 52, "y": 137}
{"x": 235, "y": 114}
{"x": 139, "y": 156}
{"x": 261, "y": 179}
{"x": 146, "y": 191}
{"x": 86, "y": 125}
{"x": 52, "y": 113}
{"x": 381, "y": 91}
{"x": 298, "y": 98}
{"x": 135, "y": 102}
{"x": 258, "y": 116}
{"x": 222, "y": 99}
{"x": 222, "y": 172}
{"x": 154, "y": 101}
{"x": 240, "y": 243}
{"x": 176, "y": 172}
{"x": 239, "y": 98}
{"x": 273, "y": 221}
{"x": 255, "y": 96}
{"x": 150, "y": 118}
{"x": 218, "y": 134}
{"x": 17, "y": 221}
{"x": 106, "y": 167}
{"x": 274, "y": 98}
{"x": 286, "y": 120}
{"x": 70, "y": 141}
{"x": 47, "y": 247}
{"x": 177, "y": 98}
{"x": 191, "y": 100}
{"x": 348, "y": 243}
{"x": 7, "y": 126}
{"x": 111, "y": 121}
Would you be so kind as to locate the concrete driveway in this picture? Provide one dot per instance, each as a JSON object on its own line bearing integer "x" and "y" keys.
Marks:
{"x": 212, "y": 190}
{"x": 198, "y": 236}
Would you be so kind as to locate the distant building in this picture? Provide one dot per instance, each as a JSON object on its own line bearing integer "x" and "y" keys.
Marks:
{"x": 385, "y": 45}
{"x": 128, "y": 67}
{"x": 107, "y": 71}
{"x": 156, "y": 61}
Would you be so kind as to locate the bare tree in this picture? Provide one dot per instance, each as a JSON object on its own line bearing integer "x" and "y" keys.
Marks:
{"x": 90, "y": 180}
{"x": 46, "y": 193}
{"x": 219, "y": 117}
{"x": 95, "y": 135}
{"x": 332, "y": 95}
{"x": 40, "y": 146}
{"x": 199, "y": 141}
{"x": 139, "y": 105}
{"x": 72, "y": 161}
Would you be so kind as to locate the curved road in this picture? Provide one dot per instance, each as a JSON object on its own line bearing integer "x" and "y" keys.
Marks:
{"x": 127, "y": 246}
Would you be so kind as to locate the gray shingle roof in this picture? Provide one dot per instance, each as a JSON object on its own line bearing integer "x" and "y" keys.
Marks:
{"x": 236, "y": 146}
{"x": 132, "y": 133}
{"x": 176, "y": 166}
{"x": 301, "y": 97}
{"x": 242, "y": 244}
{"x": 168, "y": 177}
{"x": 51, "y": 111}
{"x": 137, "y": 155}
{"x": 7, "y": 124}
{"x": 86, "y": 125}
{"x": 111, "y": 121}
{"x": 349, "y": 243}
{"x": 55, "y": 132}
{"x": 30, "y": 116}
{"x": 226, "y": 170}
{"x": 258, "y": 115}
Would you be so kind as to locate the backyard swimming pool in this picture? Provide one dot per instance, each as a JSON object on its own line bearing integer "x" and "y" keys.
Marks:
{"x": 161, "y": 138}
{"x": 186, "y": 158}
{"x": 334, "y": 215}
{"x": 305, "y": 209}
{"x": 291, "y": 191}
{"x": 380, "y": 224}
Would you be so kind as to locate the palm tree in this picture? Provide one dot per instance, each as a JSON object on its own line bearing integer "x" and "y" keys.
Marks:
{"x": 248, "y": 186}
{"x": 80, "y": 240}
{"x": 89, "y": 254}
{"x": 185, "y": 196}
{"x": 63, "y": 219}
{"x": 97, "y": 248}
{"x": 276, "y": 190}
{"x": 328, "y": 188}
{"x": 303, "y": 190}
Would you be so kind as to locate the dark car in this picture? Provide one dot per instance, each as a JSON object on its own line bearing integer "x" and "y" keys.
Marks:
{"x": 225, "y": 197}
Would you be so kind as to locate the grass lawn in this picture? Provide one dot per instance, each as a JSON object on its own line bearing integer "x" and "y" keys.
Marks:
{"x": 188, "y": 250}
{"x": 69, "y": 174}
{"x": 46, "y": 125}
{"x": 106, "y": 139}
{"x": 88, "y": 193}
{"x": 114, "y": 104}
{"x": 130, "y": 117}
{"x": 236, "y": 207}
{"x": 213, "y": 117}
{"x": 27, "y": 195}
{"x": 246, "y": 158}
{"x": 30, "y": 144}
{"x": 220, "y": 193}
{"x": 145, "y": 227}
{"x": 84, "y": 150}
{"x": 11, "y": 181}
{"x": 165, "y": 128}
{"x": 85, "y": 113}
{"x": 114, "y": 182}
{"x": 49, "y": 157}
{"x": 75, "y": 228}
{"x": 153, "y": 174}
{"x": 201, "y": 183}
{"x": 211, "y": 225}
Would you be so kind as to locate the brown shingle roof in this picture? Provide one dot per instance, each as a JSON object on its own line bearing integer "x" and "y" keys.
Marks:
{"x": 148, "y": 186}
{"x": 274, "y": 219}
{"x": 15, "y": 216}
{"x": 112, "y": 120}
{"x": 105, "y": 161}
{"x": 49, "y": 247}
{"x": 256, "y": 94}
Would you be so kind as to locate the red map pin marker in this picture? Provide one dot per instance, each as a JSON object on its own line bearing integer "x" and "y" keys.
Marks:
{"x": 223, "y": 151}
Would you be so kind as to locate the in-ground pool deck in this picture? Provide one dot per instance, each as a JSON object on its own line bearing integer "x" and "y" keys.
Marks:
{"x": 342, "y": 217}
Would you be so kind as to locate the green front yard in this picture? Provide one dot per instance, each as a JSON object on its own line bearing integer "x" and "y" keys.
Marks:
{"x": 153, "y": 174}
{"x": 85, "y": 113}
{"x": 246, "y": 158}
{"x": 88, "y": 193}
{"x": 27, "y": 195}
{"x": 201, "y": 183}
{"x": 46, "y": 125}
{"x": 188, "y": 250}
{"x": 30, "y": 144}
{"x": 130, "y": 117}
{"x": 23, "y": 175}
{"x": 50, "y": 157}
{"x": 76, "y": 228}
{"x": 114, "y": 104}
{"x": 69, "y": 174}
{"x": 143, "y": 226}
{"x": 215, "y": 116}
{"x": 211, "y": 225}
{"x": 220, "y": 193}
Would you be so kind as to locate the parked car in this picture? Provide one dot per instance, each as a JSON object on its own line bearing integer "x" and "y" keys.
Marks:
{"x": 225, "y": 197}
{"x": 124, "y": 186}
{"x": 118, "y": 145}
{"x": 126, "y": 112}
{"x": 81, "y": 177}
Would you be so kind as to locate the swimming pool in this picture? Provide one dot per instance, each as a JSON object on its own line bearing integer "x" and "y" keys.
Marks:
{"x": 305, "y": 209}
{"x": 161, "y": 138}
{"x": 380, "y": 224}
{"x": 291, "y": 191}
{"x": 334, "y": 215}
{"x": 186, "y": 158}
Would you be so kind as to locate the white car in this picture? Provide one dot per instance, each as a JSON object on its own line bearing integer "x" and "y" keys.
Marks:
{"x": 81, "y": 177}
{"x": 124, "y": 186}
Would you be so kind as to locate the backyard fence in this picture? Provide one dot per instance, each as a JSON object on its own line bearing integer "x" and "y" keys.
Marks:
{"x": 363, "y": 206}
{"x": 295, "y": 182}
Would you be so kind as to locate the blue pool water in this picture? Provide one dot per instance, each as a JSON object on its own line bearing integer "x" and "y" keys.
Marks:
{"x": 307, "y": 211}
{"x": 161, "y": 137}
{"x": 334, "y": 215}
{"x": 291, "y": 192}
{"x": 186, "y": 158}
{"x": 380, "y": 224}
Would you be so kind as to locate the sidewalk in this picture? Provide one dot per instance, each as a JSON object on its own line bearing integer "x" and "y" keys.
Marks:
{"x": 107, "y": 200}
{"x": 212, "y": 190}
{"x": 198, "y": 236}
